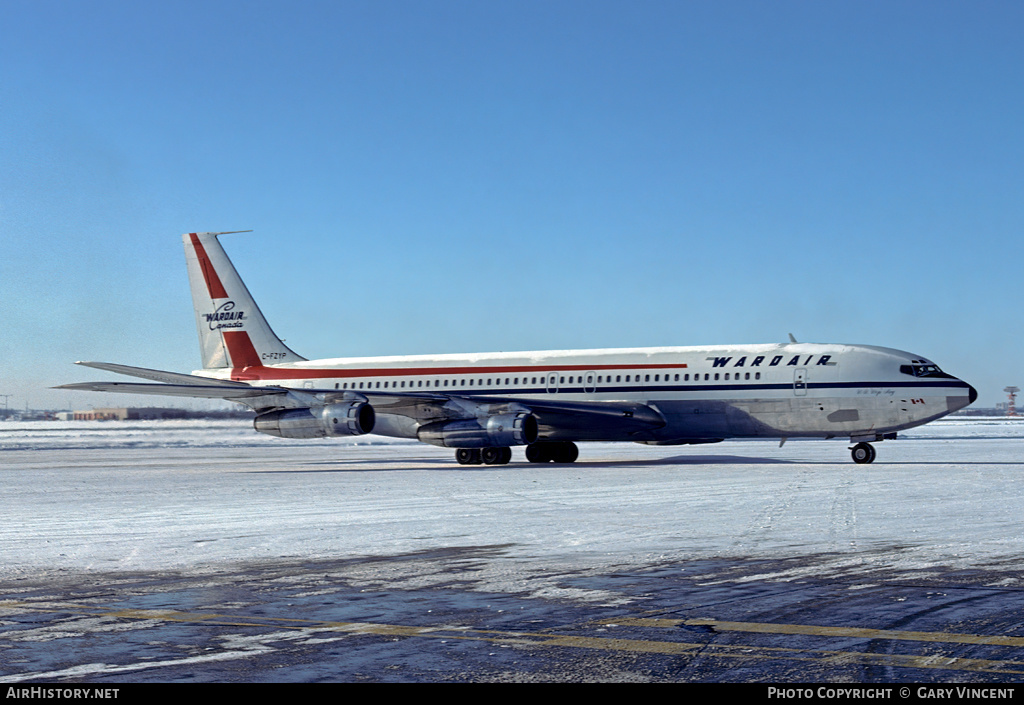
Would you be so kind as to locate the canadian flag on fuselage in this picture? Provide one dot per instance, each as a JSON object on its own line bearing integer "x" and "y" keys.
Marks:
{"x": 232, "y": 331}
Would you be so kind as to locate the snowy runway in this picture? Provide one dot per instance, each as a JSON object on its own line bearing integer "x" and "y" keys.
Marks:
{"x": 186, "y": 495}
{"x": 85, "y": 503}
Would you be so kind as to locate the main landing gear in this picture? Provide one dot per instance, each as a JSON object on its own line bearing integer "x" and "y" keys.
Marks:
{"x": 863, "y": 453}
{"x": 552, "y": 452}
{"x": 487, "y": 456}
{"x": 544, "y": 452}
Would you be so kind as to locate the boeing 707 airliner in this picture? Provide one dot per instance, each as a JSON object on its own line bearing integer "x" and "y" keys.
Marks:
{"x": 483, "y": 404}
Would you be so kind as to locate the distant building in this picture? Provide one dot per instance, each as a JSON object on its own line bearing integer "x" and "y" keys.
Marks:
{"x": 129, "y": 414}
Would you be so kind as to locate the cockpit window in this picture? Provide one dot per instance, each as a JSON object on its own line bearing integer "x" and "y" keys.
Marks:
{"x": 921, "y": 370}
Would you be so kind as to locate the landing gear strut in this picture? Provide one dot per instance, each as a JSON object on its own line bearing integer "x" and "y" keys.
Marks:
{"x": 552, "y": 452}
{"x": 863, "y": 453}
{"x": 487, "y": 456}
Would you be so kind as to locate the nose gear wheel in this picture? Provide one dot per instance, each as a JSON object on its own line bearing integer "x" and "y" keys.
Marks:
{"x": 863, "y": 453}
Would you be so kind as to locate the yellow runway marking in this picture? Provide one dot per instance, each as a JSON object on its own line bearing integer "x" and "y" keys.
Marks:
{"x": 811, "y": 630}
{"x": 551, "y": 640}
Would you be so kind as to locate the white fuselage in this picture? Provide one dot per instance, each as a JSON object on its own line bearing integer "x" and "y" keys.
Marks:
{"x": 703, "y": 393}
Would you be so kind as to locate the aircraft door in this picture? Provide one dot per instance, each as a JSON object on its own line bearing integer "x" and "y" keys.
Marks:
{"x": 590, "y": 382}
{"x": 800, "y": 381}
{"x": 552, "y": 382}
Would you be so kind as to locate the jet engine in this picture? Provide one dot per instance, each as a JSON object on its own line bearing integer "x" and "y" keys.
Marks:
{"x": 499, "y": 430}
{"x": 345, "y": 419}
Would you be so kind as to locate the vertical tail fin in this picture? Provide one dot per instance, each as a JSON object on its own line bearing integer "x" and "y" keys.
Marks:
{"x": 232, "y": 330}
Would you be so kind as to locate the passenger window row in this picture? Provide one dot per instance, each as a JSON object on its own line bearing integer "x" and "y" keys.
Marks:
{"x": 532, "y": 381}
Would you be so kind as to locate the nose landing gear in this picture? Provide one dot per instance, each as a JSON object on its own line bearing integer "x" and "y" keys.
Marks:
{"x": 863, "y": 453}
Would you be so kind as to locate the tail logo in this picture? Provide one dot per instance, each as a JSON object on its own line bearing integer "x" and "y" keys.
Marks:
{"x": 225, "y": 316}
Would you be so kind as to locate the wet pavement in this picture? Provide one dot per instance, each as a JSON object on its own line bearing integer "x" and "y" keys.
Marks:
{"x": 424, "y": 617}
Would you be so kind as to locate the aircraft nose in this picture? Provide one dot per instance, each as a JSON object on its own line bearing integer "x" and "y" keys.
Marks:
{"x": 955, "y": 403}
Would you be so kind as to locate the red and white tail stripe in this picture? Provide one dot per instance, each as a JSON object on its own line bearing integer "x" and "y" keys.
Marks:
{"x": 232, "y": 330}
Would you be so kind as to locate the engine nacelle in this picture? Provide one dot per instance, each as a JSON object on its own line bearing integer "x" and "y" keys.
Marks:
{"x": 491, "y": 431}
{"x": 345, "y": 419}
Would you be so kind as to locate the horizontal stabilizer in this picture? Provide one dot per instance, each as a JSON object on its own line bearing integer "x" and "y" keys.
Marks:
{"x": 206, "y": 391}
{"x": 161, "y": 375}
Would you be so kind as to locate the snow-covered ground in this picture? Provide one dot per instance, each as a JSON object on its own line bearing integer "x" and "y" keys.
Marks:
{"x": 193, "y": 433}
{"x": 197, "y": 495}
{"x": 203, "y": 433}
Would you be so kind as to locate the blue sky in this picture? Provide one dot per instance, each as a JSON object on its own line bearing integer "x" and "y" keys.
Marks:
{"x": 456, "y": 175}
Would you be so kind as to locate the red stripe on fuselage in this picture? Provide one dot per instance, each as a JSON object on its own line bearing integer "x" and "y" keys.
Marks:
{"x": 213, "y": 284}
{"x": 258, "y": 372}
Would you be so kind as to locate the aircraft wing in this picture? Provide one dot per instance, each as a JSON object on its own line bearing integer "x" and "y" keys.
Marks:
{"x": 583, "y": 418}
{"x": 257, "y": 397}
{"x": 554, "y": 417}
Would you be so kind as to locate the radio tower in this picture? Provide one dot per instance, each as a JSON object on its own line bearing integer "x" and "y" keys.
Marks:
{"x": 1011, "y": 410}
